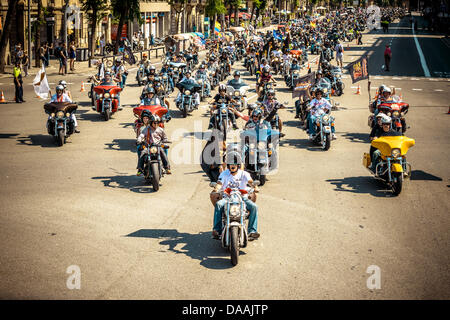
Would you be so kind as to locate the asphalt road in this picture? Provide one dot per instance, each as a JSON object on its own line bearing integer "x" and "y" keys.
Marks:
{"x": 323, "y": 219}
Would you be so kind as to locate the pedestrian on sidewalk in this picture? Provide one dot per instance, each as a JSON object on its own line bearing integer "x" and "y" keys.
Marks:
{"x": 72, "y": 55}
{"x": 25, "y": 63}
{"x": 359, "y": 38}
{"x": 62, "y": 56}
{"x": 339, "y": 54}
{"x": 18, "y": 83}
{"x": 42, "y": 54}
{"x": 387, "y": 57}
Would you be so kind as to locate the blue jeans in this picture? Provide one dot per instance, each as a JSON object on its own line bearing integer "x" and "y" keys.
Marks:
{"x": 252, "y": 219}
{"x": 312, "y": 124}
{"x": 124, "y": 80}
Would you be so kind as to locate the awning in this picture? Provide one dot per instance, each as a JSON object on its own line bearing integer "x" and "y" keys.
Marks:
{"x": 182, "y": 36}
{"x": 236, "y": 29}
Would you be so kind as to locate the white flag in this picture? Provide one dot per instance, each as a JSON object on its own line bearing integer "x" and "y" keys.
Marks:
{"x": 40, "y": 84}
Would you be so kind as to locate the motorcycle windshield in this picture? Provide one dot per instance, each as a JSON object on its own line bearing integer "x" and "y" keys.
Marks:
{"x": 177, "y": 64}
{"x": 188, "y": 85}
{"x": 259, "y": 134}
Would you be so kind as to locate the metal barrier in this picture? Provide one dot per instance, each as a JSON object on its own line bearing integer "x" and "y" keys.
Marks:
{"x": 135, "y": 53}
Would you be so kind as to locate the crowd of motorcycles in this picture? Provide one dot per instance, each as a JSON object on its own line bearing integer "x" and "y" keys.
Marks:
{"x": 263, "y": 55}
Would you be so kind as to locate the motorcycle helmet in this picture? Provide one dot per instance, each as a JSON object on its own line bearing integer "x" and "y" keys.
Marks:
{"x": 222, "y": 87}
{"x": 146, "y": 113}
{"x": 271, "y": 92}
{"x": 150, "y": 90}
{"x": 237, "y": 73}
{"x": 266, "y": 69}
{"x": 59, "y": 88}
{"x": 385, "y": 119}
{"x": 156, "y": 119}
{"x": 144, "y": 55}
{"x": 63, "y": 83}
{"x": 152, "y": 68}
{"x": 319, "y": 90}
{"x": 256, "y": 113}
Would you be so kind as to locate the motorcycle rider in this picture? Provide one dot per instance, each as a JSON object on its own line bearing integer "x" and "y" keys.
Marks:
{"x": 317, "y": 106}
{"x": 60, "y": 96}
{"x": 264, "y": 78}
{"x": 386, "y": 124}
{"x": 119, "y": 72}
{"x": 66, "y": 91}
{"x": 189, "y": 79}
{"x": 233, "y": 176}
{"x": 168, "y": 70}
{"x": 150, "y": 98}
{"x": 220, "y": 98}
{"x": 146, "y": 62}
{"x": 294, "y": 66}
{"x": 236, "y": 82}
{"x": 203, "y": 72}
{"x": 269, "y": 105}
{"x": 153, "y": 133}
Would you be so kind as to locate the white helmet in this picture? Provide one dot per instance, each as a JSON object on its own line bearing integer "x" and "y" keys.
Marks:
{"x": 63, "y": 83}
{"x": 60, "y": 87}
{"x": 156, "y": 118}
{"x": 386, "y": 119}
{"x": 387, "y": 89}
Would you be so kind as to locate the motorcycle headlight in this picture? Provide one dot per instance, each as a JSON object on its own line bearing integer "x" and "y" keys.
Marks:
{"x": 261, "y": 145}
{"x": 235, "y": 210}
{"x": 395, "y": 114}
{"x": 107, "y": 95}
{"x": 187, "y": 92}
{"x": 270, "y": 145}
{"x": 237, "y": 93}
{"x": 164, "y": 77}
{"x": 67, "y": 114}
{"x": 325, "y": 90}
{"x": 52, "y": 114}
{"x": 252, "y": 145}
{"x": 153, "y": 149}
{"x": 224, "y": 110}
{"x": 389, "y": 114}
{"x": 326, "y": 118}
{"x": 60, "y": 114}
{"x": 402, "y": 114}
{"x": 396, "y": 152}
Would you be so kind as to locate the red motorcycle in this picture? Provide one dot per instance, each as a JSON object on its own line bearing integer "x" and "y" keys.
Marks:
{"x": 153, "y": 109}
{"x": 396, "y": 109}
{"x": 107, "y": 101}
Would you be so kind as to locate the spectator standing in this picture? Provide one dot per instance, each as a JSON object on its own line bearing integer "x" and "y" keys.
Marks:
{"x": 62, "y": 55}
{"x": 42, "y": 54}
{"x": 387, "y": 57}
{"x": 72, "y": 55}
{"x": 18, "y": 83}
{"x": 25, "y": 63}
{"x": 339, "y": 54}
{"x": 102, "y": 44}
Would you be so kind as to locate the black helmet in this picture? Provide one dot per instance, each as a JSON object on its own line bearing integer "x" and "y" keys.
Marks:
{"x": 319, "y": 90}
{"x": 146, "y": 113}
{"x": 150, "y": 90}
{"x": 237, "y": 73}
{"x": 271, "y": 92}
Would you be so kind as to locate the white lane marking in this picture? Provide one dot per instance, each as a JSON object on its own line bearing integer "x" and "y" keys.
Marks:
{"x": 379, "y": 78}
{"x": 398, "y": 88}
{"x": 417, "y": 89}
{"x": 426, "y": 71}
{"x": 414, "y": 79}
{"x": 433, "y": 79}
{"x": 396, "y": 78}
{"x": 439, "y": 90}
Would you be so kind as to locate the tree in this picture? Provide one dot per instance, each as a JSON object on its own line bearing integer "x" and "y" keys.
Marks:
{"x": 126, "y": 10}
{"x": 37, "y": 36}
{"x": 95, "y": 10}
{"x": 10, "y": 14}
{"x": 179, "y": 7}
{"x": 212, "y": 9}
{"x": 236, "y": 4}
{"x": 261, "y": 6}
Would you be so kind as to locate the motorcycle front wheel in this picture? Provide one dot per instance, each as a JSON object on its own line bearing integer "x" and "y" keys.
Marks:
{"x": 234, "y": 245}
{"x": 107, "y": 114}
{"x": 327, "y": 142}
{"x": 184, "y": 111}
{"x": 398, "y": 183}
{"x": 60, "y": 138}
{"x": 155, "y": 176}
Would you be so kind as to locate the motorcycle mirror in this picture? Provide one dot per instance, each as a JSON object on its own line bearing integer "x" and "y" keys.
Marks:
{"x": 286, "y": 103}
{"x": 337, "y": 103}
{"x": 256, "y": 183}
{"x": 213, "y": 184}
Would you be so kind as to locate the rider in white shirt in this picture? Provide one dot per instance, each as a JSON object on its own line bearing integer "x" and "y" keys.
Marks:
{"x": 60, "y": 96}
{"x": 317, "y": 107}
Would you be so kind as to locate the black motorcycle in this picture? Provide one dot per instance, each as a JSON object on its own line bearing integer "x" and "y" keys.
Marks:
{"x": 60, "y": 123}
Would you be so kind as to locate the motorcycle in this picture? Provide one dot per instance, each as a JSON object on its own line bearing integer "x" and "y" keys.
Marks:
{"x": 260, "y": 152}
{"x": 155, "y": 110}
{"x": 60, "y": 124}
{"x": 323, "y": 124}
{"x": 393, "y": 167}
{"x": 276, "y": 64}
{"x": 234, "y": 234}
{"x": 153, "y": 171}
{"x": 251, "y": 65}
{"x": 222, "y": 121}
{"x": 141, "y": 75}
{"x": 202, "y": 80}
{"x": 107, "y": 100}
{"x": 187, "y": 90}
{"x": 394, "y": 108}
{"x": 267, "y": 86}
{"x": 178, "y": 70}
{"x": 295, "y": 74}
{"x": 239, "y": 94}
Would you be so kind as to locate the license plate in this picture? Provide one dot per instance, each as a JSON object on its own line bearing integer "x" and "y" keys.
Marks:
{"x": 327, "y": 129}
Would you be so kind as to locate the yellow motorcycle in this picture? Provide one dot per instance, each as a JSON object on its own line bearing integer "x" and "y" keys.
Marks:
{"x": 392, "y": 167}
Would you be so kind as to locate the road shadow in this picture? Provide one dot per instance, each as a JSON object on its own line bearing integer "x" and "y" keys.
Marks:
{"x": 357, "y": 137}
{"x": 90, "y": 116}
{"x": 131, "y": 182}
{"x": 292, "y": 123}
{"x": 8, "y": 135}
{"x": 198, "y": 246}
{"x": 300, "y": 143}
{"x": 362, "y": 184}
{"x": 122, "y": 145}
{"x": 424, "y": 176}
{"x": 127, "y": 125}
{"x": 42, "y": 140}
